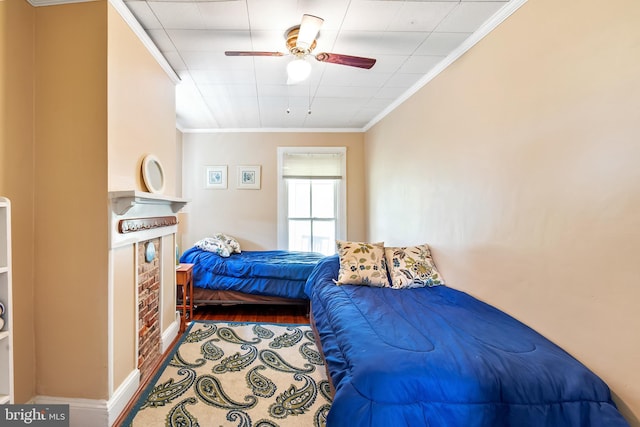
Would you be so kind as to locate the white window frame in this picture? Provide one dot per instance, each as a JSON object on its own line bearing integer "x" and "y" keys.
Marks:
{"x": 341, "y": 208}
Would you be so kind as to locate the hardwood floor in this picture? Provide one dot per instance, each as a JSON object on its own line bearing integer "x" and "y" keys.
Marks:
{"x": 291, "y": 314}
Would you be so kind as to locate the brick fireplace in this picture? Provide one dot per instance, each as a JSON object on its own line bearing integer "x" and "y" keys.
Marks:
{"x": 149, "y": 336}
{"x": 142, "y": 307}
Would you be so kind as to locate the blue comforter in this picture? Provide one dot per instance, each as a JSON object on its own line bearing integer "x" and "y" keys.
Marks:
{"x": 270, "y": 273}
{"x": 439, "y": 357}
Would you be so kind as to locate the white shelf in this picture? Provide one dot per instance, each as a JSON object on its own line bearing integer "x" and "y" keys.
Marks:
{"x": 123, "y": 201}
{"x": 6, "y": 335}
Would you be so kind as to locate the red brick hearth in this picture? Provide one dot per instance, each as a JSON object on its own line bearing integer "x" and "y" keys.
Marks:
{"x": 149, "y": 334}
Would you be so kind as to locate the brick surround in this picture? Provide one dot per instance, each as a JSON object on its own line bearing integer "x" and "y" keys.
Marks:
{"x": 149, "y": 334}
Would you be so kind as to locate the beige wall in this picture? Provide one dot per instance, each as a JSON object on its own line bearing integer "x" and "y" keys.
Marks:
{"x": 519, "y": 165}
{"x": 126, "y": 322}
{"x": 17, "y": 23}
{"x": 71, "y": 205}
{"x": 250, "y": 215}
{"x": 142, "y": 115}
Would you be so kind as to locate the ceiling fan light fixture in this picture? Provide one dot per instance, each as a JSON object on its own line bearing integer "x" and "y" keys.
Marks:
{"x": 309, "y": 28}
{"x": 298, "y": 70}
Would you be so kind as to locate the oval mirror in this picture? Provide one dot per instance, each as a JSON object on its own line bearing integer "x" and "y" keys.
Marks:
{"x": 153, "y": 174}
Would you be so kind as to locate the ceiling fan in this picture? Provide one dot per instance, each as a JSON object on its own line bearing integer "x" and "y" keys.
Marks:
{"x": 300, "y": 41}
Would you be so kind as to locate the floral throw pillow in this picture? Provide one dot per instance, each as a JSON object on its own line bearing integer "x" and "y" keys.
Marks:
{"x": 412, "y": 267}
{"x": 217, "y": 246}
{"x": 362, "y": 264}
{"x": 229, "y": 241}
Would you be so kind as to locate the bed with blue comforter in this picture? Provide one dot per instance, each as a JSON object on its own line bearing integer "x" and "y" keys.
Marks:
{"x": 250, "y": 276}
{"x": 434, "y": 356}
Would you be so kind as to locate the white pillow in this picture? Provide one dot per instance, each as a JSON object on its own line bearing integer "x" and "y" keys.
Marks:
{"x": 217, "y": 246}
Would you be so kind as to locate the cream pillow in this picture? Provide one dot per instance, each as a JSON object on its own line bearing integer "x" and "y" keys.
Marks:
{"x": 412, "y": 267}
{"x": 362, "y": 264}
{"x": 229, "y": 241}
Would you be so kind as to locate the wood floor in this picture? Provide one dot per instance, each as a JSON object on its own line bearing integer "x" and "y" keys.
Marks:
{"x": 290, "y": 314}
{"x": 253, "y": 313}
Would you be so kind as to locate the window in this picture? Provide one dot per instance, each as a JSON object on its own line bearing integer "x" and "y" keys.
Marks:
{"x": 311, "y": 198}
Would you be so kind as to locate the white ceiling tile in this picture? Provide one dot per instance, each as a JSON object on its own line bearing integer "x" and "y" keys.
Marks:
{"x": 366, "y": 15}
{"x": 337, "y": 106}
{"x": 370, "y": 44}
{"x": 390, "y": 92}
{"x": 284, "y": 90}
{"x": 441, "y": 43}
{"x": 223, "y": 77}
{"x": 326, "y": 91}
{"x": 339, "y": 75}
{"x": 178, "y": 15}
{"x": 210, "y": 40}
{"x": 403, "y": 80}
{"x": 229, "y": 91}
{"x": 469, "y": 16}
{"x": 375, "y": 105}
{"x": 144, "y": 15}
{"x": 161, "y": 39}
{"x": 420, "y": 16}
{"x": 389, "y": 63}
{"x": 267, "y": 41}
{"x": 175, "y": 60}
{"x": 419, "y": 64}
{"x": 224, "y": 14}
{"x": 271, "y": 70}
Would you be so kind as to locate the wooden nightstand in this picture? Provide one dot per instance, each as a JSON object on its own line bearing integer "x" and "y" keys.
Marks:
{"x": 184, "y": 291}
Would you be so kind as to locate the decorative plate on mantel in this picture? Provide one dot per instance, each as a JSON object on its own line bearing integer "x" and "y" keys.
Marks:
{"x": 153, "y": 174}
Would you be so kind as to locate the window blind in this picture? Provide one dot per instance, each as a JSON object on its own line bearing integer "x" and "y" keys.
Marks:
{"x": 312, "y": 165}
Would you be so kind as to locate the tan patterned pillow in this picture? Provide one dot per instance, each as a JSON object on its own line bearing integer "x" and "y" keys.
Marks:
{"x": 362, "y": 264}
{"x": 412, "y": 267}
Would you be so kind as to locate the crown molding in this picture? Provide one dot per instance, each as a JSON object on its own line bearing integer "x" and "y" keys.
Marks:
{"x": 135, "y": 26}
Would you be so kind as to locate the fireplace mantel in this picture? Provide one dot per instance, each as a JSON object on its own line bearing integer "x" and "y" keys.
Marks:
{"x": 123, "y": 201}
{"x": 138, "y": 216}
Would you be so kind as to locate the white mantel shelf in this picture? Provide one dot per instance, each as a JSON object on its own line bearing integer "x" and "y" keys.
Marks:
{"x": 123, "y": 201}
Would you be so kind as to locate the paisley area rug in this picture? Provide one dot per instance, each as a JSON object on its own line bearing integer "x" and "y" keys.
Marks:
{"x": 238, "y": 374}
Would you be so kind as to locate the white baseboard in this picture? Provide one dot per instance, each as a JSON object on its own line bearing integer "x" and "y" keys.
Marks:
{"x": 82, "y": 412}
{"x": 98, "y": 412}
{"x": 170, "y": 333}
{"x": 123, "y": 395}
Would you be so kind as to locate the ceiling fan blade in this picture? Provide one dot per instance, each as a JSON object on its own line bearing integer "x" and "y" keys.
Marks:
{"x": 309, "y": 28}
{"x": 251, "y": 53}
{"x": 352, "y": 61}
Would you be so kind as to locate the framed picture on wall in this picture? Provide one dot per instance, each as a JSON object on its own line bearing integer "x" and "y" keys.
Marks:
{"x": 248, "y": 177}
{"x": 216, "y": 177}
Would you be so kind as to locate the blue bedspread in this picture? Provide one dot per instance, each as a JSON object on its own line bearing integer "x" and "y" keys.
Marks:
{"x": 270, "y": 273}
{"x": 439, "y": 357}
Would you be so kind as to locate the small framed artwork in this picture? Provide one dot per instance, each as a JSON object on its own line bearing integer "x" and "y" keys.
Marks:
{"x": 216, "y": 177}
{"x": 249, "y": 177}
